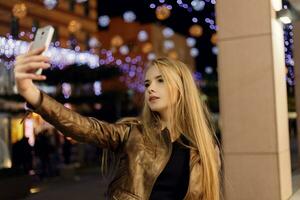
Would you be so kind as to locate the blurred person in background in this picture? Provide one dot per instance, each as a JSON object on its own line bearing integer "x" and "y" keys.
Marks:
{"x": 22, "y": 155}
{"x": 168, "y": 152}
{"x": 43, "y": 149}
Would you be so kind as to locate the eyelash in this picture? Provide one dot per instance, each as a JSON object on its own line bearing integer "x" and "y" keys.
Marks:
{"x": 159, "y": 80}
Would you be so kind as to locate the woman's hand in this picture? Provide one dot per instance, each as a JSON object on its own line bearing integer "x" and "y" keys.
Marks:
{"x": 25, "y": 67}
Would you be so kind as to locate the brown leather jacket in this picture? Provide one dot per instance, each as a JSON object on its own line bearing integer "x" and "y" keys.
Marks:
{"x": 140, "y": 164}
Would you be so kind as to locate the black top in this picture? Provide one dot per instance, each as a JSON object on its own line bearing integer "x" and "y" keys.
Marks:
{"x": 172, "y": 183}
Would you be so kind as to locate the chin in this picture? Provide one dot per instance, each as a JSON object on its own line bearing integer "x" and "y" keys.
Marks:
{"x": 156, "y": 109}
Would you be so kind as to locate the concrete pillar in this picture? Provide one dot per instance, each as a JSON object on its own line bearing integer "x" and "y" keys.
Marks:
{"x": 253, "y": 100}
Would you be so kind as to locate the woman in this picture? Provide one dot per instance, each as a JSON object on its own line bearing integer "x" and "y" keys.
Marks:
{"x": 167, "y": 153}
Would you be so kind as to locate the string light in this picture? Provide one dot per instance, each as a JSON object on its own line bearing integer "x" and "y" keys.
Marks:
{"x": 194, "y": 19}
{"x": 152, "y": 5}
{"x": 59, "y": 57}
{"x": 288, "y": 44}
{"x": 211, "y": 23}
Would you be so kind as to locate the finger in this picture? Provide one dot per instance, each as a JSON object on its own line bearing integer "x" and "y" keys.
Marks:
{"x": 28, "y": 59}
{"x": 33, "y": 66}
{"x": 30, "y": 76}
{"x": 36, "y": 51}
{"x": 20, "y": 57}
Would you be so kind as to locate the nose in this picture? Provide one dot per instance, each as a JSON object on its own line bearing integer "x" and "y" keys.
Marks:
{"x": 150, "y": 89}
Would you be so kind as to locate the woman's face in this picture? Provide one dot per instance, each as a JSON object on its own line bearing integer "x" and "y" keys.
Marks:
{"x": 156, "y": 93}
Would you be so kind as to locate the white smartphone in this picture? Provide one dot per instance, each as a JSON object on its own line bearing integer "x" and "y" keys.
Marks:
{"x": 42, "y": 38}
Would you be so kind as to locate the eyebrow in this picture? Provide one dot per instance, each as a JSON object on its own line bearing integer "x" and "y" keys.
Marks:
{"x": 159, "y": 76}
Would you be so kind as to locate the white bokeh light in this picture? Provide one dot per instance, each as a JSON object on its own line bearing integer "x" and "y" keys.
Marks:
{"x": 94, "y": 42}
{"x": 124, "y": 50}
{"x": 198, "y": 5}
{"x": 169, "y": 44}
{"x": 50, "y": 4}
{"x": 97, "y": 88}
{"x": 151, "y": 56}
{"x": 208, "y": 70}
{"x": 168, "y": 32}
{"x": 194, "y": 52}
{"x": 104, "y": 20}
{"x": 190, "y": 42}
{"x": 129, "y": 16}
{"x": 66, "y": 90}
{"x": 215, "y": 50}
{"x": 142, "y": 36}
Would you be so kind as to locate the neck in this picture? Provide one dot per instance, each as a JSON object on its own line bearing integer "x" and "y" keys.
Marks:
{"x": 164, "y": 120}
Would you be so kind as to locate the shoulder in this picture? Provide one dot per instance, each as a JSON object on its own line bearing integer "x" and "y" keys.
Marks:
{"x": 134, "y": 122}
{"x": 130, "y": 121}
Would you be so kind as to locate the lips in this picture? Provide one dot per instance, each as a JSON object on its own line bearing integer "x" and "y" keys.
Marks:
{"x": 152, "y": 98}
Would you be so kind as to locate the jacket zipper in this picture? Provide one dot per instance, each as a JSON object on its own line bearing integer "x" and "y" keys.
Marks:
{"x": 170, "y": 148}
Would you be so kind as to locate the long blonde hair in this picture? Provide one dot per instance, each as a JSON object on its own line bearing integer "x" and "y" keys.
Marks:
{"x": 189, "y": 116}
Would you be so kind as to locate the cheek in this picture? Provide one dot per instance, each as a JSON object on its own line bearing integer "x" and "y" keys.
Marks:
{"x": 146, "y": 96}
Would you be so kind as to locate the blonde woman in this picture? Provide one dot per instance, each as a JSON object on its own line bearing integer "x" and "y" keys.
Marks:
{"x": 167, "y": 153}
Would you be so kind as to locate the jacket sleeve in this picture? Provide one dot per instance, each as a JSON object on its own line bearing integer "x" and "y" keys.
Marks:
{"x": 80, "y": 128}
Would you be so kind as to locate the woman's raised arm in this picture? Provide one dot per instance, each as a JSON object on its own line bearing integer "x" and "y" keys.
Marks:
{"x": 80, "y": 128}
{"x": 70, "y": 123}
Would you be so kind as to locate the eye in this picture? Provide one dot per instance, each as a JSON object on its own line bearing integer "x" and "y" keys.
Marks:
{"x": 146, "y": 85}
{"x": 160, "y": 80}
